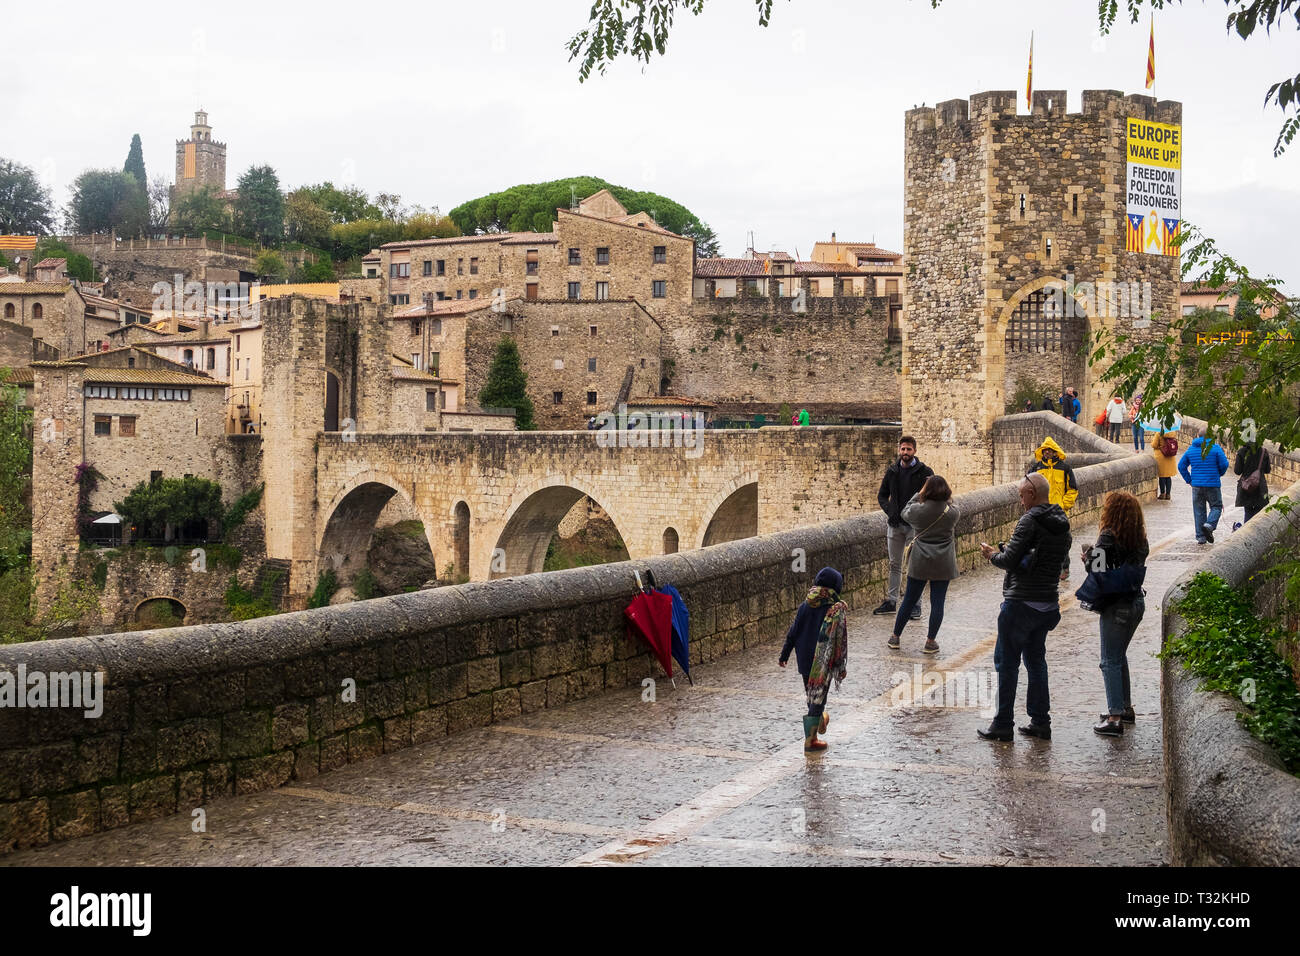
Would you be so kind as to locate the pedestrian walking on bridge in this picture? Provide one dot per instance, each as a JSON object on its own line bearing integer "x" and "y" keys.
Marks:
{"x": 903, "y": 479}
{"x": 819, "y": 638}
{"x": 931, "y": 557}
{"x": 1202, "y": 466}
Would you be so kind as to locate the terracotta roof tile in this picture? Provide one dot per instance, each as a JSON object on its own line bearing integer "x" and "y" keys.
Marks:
{"x": 148, "y": 376}
{"x": 34, "y": 288}
{"x": 723, "y": 268}
{"x": 445, "y": 307}
{"x": 452, "y": 240}
{"x": 530, "y": 238}
{"x": 17, "y": 376}
{"x": 51, "y": 263}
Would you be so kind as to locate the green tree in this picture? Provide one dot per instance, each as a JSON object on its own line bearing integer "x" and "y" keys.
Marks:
{"x": 79, "y": 266}
{"x": 200, "y": 210}
{"x": 161, "y": 508}
{"x": 322, "y": 270}
{"x": 640, "y": 28}
{"x": 532, "y": 207}
{"x": 25, "y": 206}
{"x": 349, "y": 204}
{"x": 15, "y": 476}
{"x": 259, "y": 210}
{"x": 507, "y": 385}
{"x": 353, "y": 239}
{"x": 270, "y": 265}
{"x": 135, "y": 162}
{"x": 105, "y": 200}
{"x": 159, "y": 195}
{"x": 305, "y": 220}
{"x": 427, "y": 225}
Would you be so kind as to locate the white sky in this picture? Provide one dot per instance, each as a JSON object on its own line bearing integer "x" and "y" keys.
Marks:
{"x": 790, "y": 131}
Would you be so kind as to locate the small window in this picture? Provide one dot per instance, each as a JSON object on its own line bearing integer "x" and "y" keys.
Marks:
{"x": 530, "y": 262}
{"x": 473, "y": 293}
{"x": 575, "y": 257}
{"x": 103, "y": 425}
{"x": 555, "y": 331}
{"x": 460, "y": 267}
{"x": 473, "y": 265}
{"x": 428, "y": 267}
{"x": 415, "y": 359}
{"x": 1222, "y": 308}
{"x": 1022, "y": 205}
{"x": 442, "y": 267}
{"x": 558, "y": 364}
{"x": 591, "y": 398}
{"x": 155, "y": 476}
{"x": 130, "y": 361}
{"x": 126, "y": 426}
{"x": 430, "y": 401}
{"x": 602, "y": 290}
{"x": 403, "y": 270}
{"x": 602, "y": 255}
{"x": 557, "y": 398}
{"x": 659, "y": 288}
{"x": 1074, "y": 204}
{"x": 575, "y": 290}
{"x": 440, "y": 296}
{"x": 507, "y": 323}
{"x": 593, "y": 330}
{"x": 415, "y": 326}
{"x": 591, "y": 365}
{"x": 434, "y": 359}
{"x": 661, "y": 254}
{"x": 1047, "y": 248}
{"x": 435, "y": 326}
{"x": 236, "y": 343}
{"x": 460, "y": 293}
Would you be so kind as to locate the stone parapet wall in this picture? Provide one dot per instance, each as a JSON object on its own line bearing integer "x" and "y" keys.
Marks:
{"x": 1228, "y": 799}
{"x": 1286, "y": 465}
{"x": 195, "y": 714}
{"x": 1016, "y": 437}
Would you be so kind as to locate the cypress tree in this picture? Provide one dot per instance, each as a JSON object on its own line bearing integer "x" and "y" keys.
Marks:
{"x": 507, "y": 385}
{"x": 135, "y": 161}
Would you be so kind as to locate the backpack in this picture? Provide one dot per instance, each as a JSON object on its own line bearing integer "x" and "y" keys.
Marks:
{"x": 1169, "y": 446}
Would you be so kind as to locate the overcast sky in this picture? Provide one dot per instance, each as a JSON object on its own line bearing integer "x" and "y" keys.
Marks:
{"x": 790, "y": 131}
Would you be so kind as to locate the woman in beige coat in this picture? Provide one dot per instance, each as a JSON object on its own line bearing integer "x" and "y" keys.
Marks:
{"x": 932, "y": 558}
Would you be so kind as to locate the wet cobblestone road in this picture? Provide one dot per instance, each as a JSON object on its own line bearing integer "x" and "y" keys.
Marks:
{"x": 716, "y": 774}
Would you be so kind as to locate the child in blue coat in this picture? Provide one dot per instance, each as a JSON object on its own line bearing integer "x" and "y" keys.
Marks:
{"x": 819, "y": 638}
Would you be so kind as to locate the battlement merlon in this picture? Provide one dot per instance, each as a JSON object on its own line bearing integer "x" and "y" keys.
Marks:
{"x": 1047, "y": 105}
{"x": 201, "y": 142}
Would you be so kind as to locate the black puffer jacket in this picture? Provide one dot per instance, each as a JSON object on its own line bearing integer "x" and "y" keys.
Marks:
{"x": 1043, "y": 535}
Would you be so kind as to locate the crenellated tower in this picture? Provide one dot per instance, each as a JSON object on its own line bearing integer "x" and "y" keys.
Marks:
{"x": 200, "y": 160}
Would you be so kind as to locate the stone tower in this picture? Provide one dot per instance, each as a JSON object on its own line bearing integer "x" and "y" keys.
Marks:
{"x": 200, "y": 160}
{"x": 1015, "y": 239}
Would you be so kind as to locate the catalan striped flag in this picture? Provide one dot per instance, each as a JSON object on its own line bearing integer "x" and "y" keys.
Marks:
{"x": 1151, "y": 54}
{"x": 1029, "y": 80}
{"x": 27, "y": 243}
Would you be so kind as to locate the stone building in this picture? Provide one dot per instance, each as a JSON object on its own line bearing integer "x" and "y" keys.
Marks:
{"x": 57, "y": 314}
{"x": 52, "y": 270}
{"x": 200, "y": 161}
{"x": 598, "y": 251}
{"x": 1000, "y": 209}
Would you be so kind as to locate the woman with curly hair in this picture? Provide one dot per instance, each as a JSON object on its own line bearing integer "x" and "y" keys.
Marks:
{"x": 1121, "y": 540}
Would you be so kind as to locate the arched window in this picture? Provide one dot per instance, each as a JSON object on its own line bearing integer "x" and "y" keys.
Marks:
{"x": 38, "y": 312}
{"x": 9, "y": 310}
{"x": 670, "y": 541}
{"x": 189, "y": 356}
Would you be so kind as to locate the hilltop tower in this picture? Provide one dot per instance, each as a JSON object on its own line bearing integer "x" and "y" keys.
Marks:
{"x": 200, "y": 160}
{"x": 1016, "y": 236}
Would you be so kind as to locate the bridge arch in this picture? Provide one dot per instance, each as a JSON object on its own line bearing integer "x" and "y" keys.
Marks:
{"x": 733, "y": 512}
{"x": 530, "y": 523}
{"x": 348, "y": 525}
{"x": 165, "y": 604}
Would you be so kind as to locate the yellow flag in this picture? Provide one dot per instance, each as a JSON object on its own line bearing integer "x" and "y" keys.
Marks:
{"x": 1029, "y": 81}
{"x": 1151, "y": 54}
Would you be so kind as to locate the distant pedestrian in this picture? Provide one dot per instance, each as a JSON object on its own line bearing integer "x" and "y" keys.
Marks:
{"x": 903, "y": 479}
{"x": 1252, "y": 487}
{"x": 1030, "y": 608}
{"x": 1115, "y": 416}
{"x": 794, "y": 419}
{"x": 804, "y": 417}
{"x": 819, "y": 638}
{"x": 1121, "y": 546}
{"x": 1165, "y": 451}
{"x": 1077, "y": 406}
{"x": 1100, "y": 422}
{"x": 1066, "y": 401}
{"x": 1048, "y": 404}
{"x": 1135, "y": 419}
{"x": 1062, "y": 488}
{"x": 1029, "y": 405}
{"x": 932, "y": 557}
{"x": 1202, "y": 466}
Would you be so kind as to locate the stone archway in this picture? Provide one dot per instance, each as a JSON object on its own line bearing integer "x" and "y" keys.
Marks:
{"x": 345, "y": 538}
{"x": 460, "y": 540}
{"x": 159, "y": 611}
{"x": 532, "y": 522}
{"x": 1042, "y": 335}
{"x": 734, "y": 516}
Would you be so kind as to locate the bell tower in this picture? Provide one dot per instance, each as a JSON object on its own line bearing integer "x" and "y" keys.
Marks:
{"x": 200, "y": 160}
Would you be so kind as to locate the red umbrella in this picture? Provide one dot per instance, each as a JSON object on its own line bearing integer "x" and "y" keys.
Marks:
{"x": 650, "y": 616}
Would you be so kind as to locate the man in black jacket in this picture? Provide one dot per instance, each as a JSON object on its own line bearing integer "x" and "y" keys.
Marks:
{"x": 1030, "y": 607}
{"x": 903, "y": 479}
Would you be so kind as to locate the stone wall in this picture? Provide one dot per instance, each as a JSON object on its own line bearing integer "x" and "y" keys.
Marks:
{"x": 195, "y": 714}
{"x": 1286, "y": 466}
{"x": 749, "y": 355}
{"x": 62, "y": 323}
{"x": 132, "y": 268}
{"x": 1228, "y": 799}
{"x": 1016, "y": 437}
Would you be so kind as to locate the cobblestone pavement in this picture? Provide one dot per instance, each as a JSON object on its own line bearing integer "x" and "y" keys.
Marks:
{"x": 716, "y": 774}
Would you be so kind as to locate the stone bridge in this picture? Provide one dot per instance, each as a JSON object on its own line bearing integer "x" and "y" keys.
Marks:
{"x": 491, "y": 502}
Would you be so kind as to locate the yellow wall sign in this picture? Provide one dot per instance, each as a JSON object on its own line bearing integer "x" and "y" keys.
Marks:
{"x": 1154, "y": 186}
{"x": 189, "y": 161}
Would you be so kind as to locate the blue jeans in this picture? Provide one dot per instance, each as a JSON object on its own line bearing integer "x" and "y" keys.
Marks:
{"x": 938, "y": 592}
{"x": 1119, "y": 621}
{"x": 1139, "y": 437}
{"x": 1201, "y": 497}
{"x": 1022, "y": 632}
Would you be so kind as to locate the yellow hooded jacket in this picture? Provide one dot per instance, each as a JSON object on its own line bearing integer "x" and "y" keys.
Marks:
{"x": 1060, "y": 477}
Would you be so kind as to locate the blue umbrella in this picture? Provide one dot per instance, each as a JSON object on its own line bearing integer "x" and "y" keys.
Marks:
{"x": 681, "y": 630}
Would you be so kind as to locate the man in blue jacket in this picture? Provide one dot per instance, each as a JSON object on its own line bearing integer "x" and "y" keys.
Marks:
{"x": 1201, "y": 466}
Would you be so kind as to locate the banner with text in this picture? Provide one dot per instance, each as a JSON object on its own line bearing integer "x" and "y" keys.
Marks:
{"x": 1155, "y": 187}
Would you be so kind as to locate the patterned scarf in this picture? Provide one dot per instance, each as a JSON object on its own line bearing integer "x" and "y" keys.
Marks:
{"x": 831, "y": 657}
